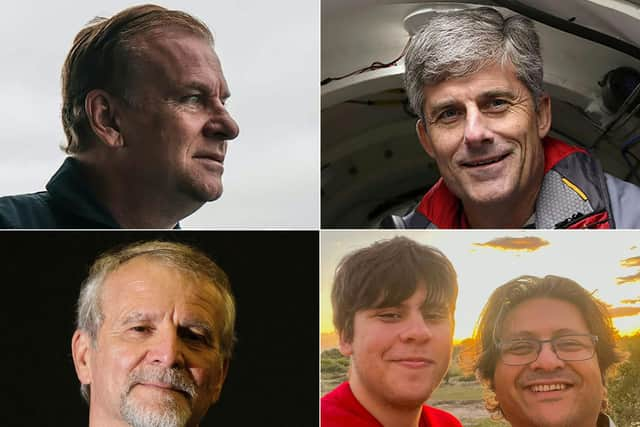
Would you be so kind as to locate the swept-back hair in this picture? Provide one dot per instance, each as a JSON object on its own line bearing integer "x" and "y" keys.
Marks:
{"x": 104, "y": 56}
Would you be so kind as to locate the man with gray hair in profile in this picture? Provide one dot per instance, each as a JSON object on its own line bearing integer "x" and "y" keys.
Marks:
{"x": 475, "y": 79}
{"x": 155, "y": 333}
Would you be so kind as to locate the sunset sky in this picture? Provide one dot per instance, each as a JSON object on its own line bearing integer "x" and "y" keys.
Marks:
{"x": 605, "y": 261}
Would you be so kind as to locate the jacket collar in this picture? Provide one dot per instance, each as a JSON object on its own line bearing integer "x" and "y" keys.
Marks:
{"x": 444, "y": 209}
{"x": 69, "y": 189}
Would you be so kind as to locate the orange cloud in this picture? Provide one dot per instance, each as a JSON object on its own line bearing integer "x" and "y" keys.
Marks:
{"x": 528, "y": 244}
{"x": 628, "y": 279}
{"x": 623, "y": 311}
{"x": 630, "y": 301}
{"x": 631, "y": 262}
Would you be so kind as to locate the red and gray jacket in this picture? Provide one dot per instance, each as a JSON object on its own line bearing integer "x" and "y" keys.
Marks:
{"x": 575, "y": 193}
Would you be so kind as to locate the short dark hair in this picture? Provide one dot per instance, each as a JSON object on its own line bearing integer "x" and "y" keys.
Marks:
{"x": 504, "y": 299}
{"x": 102, "y": 57}
{"x": 387, "y": 273}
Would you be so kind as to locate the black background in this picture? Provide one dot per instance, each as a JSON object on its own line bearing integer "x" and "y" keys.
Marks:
{"x": 273, "y": 376}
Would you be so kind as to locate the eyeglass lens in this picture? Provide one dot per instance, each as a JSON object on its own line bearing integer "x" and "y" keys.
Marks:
{"x": 567, "y": 348}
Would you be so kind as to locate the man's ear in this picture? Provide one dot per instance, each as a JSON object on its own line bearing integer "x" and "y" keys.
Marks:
{"x": 423, "y": 136}
{"x": 346, "y": 347}
{"x": 81, "y": 351}
{"x": 102, "y": 114}
{"x": 544, "y": 116}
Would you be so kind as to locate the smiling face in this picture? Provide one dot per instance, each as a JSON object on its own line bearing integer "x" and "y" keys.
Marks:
{"x": 176, "y": 130}
{"x": 484, "y": 134}
{"x": 399, "y": 354}
{"x": 548, "y": 392}
{"x": 157, "y": 354}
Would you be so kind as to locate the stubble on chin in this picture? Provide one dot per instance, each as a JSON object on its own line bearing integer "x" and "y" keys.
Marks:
{"x": 168, "y": 409}
{"x": 165, "y": 411}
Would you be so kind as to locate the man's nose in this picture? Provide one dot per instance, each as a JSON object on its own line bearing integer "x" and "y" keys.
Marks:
{"x": 547, "y": 359}
{"x": 416, "y": 329}
{"x": 166, "y": 349}
{"x": 476, "y": 129}
{"x": 221, "y": 125}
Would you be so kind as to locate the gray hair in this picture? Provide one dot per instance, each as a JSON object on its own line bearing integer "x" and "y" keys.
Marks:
{"x": 187, "y": 259}
{"x": 456, "y": 44}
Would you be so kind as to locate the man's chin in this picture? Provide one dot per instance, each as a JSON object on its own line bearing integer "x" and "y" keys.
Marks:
{"x": 203, "y": 192}
{"x": 550, "y": 420}
{"x": 171, "y": 408}
{"x": 410, "y": 397}
{"x": 489, "y": 195}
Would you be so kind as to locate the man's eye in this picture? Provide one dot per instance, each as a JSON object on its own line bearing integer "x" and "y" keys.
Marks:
{"x": 572, "y": 344}
{"x": 497, "y": 104}
{"x": 435, "y": 315}
{"x": 192, "y": 99}
{"x": 196, "y": 337}
{"x": 521, "y": 347}
{"x": 140, "y": 329}
{"x": 389, "y": 316}
{"x": 448, "y": 116}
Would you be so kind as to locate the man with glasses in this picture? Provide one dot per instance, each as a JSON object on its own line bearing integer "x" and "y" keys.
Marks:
{"x": 543, "y": 347}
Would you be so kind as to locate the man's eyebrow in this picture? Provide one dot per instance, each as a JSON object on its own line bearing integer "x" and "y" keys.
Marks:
{"x": 498, "y": 93}
{"x": 489, "y": 94}
{"x": 197, "y": 323}
{"x": 431, "y": 306}
{"x": 568, "y": 331}
{"x": 442, "y": 105}
{"x": 385, "y": 306}
{"x": 556, "y": 333}
{"x": 137, "y": 316}
{"x": 519, "y": 335}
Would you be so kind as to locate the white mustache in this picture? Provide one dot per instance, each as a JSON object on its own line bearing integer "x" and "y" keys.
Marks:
{"x": 177, "y": 379}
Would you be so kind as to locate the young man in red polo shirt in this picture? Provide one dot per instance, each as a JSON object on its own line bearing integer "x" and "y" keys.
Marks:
{"x": 393, "y": 305}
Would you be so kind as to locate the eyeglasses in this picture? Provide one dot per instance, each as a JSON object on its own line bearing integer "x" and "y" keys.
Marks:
{"x": 570, "y": 348}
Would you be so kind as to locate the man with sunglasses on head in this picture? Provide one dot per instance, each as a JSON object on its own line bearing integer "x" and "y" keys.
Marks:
{"x": 543, "y": 348}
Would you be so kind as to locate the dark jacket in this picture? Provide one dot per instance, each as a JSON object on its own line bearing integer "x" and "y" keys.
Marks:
{"x": 575, "y": 193}
{"x": 68, "y": 202}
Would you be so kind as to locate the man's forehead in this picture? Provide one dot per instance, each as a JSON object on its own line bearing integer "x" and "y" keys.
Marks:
{"x": 149, "y": 273}
{"x": 492, "y": 77}
{"x": 176, "y": 40}
{"x": 542, "y": 316}
{"x": 178, "y": 55}
{"x": 126, "y": 298}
